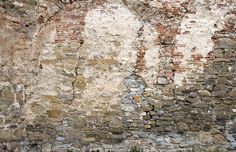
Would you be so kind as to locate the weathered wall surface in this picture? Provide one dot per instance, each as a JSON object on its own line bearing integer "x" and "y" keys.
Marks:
{"x": 111, "y": 75}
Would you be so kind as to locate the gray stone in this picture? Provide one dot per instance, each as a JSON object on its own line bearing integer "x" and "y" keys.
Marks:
{"x": 162, "y": 80}
{"x": 182, "y": 127}
{"x": 218, "y": 93}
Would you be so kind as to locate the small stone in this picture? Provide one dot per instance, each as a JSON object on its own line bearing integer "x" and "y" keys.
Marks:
{"x": 18, "y": 4}
{"x": 1, "y": 121}
{"x": 219, "y": 139}
{"x": 182, "y": 127}
{"x": 233, "y": 92}
{"x": 18, "y": 88}
{"x": 204, "y": 93}
{"x": 108, "y": 61}
{"x": 218, "y": 93}
{"x": 147, "y": 94}
{"x": 61, "y": 139}
{"x": 137, "y": 98}
{"x": 80, "y": 82}
{"x": 7, "y": 95}
{"x": 205, "y": 137}
{"x": 211, "y": 148}
{"x": 146, "y": 107}
{"x": 152, "y": 113}
{"x": 222, "y": 80}
{"x": 193, "y": 94}
{"x": 162, "y": 80}
{"x": 143, "y": 114}
{"x": 89, "y": 139}
{"x": 54, "y": 113}
{"x": 79, "y": 122}
{"x": 152, "y": 123}
{"x": 37, "y": 109}
{"x": 147, "y": 126}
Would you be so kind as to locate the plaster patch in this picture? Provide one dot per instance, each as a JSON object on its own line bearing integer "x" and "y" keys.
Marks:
{"x": 195, "y": 38}
{"x": 105, "y": 26}
{"x": 151, "y": 54}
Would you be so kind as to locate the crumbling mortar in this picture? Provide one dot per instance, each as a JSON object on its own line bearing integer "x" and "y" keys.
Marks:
{"x": 76, "y": 74}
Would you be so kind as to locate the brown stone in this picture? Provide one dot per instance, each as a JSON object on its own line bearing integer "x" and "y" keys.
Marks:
{"x": 233, "y": 92}
{"x": 219, "y": 139}
{"x": 108, "y": 61}
{"x": 7, "y": 95}
{"x": 80, "y": 82}
{"x": 79, "y": 122}
{"x": 37, "y": 109}
{"x": 147, "y": 126}
{"x": 88, "y": 139}
{"x": 137, "y": 98}
{"x": 152, "y": 123}
{"x": 51, "y": 98}
{"x": 54, "y": 113}
{"x": 182, "y": 127}
{"x": 205, "y": 137}
{"x": 211, "y": 149}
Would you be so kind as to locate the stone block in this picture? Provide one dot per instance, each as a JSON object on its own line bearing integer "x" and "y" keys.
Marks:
{"x": 204, "y": 93}
{"x": 162, "y": 80}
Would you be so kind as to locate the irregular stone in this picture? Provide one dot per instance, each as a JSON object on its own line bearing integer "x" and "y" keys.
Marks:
{"x": 109, "y": 61}
{"x": 162, "y": 80}
{"x": 146, "y": 107}
{"x": 219, "y": 139}
{"x": 147, "y": 126}
{"x": 222, "y": 80}
{"x": 1, "y": 122}
{"x": 205, "y": 137}
{"x": 37, "y": 109}
{"x": 152, "y": 113}
{"x": 88, "y": 139}
{"x": 226, "y": 43}
{"x": 80, "y": 82}
{"x": 137, "y": 98}
{"x": 218, "y": 93}
{"x": 204, "y": 93}
{"x": 233, "y": 92}
{"x": 182, "y": 127}
{"x": 115, "y": 124}
{"x": 54, "y": 113}
{"x": 152, "y": 123}
{"x": 7, "y": 95}
{"x": 212, "y": 148}
{"x": 79, "y": 122}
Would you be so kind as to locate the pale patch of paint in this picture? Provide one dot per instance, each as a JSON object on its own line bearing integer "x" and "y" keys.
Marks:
{"x": 195, "y": 38}
{"x": 151, "y": 55}
{"x": 104, "y": 26}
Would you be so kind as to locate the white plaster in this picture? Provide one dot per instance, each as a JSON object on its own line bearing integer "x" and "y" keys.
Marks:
{"x": 200, "y": 27}
{"x": 151, "y": 54}
{"x": 113, "y": 23}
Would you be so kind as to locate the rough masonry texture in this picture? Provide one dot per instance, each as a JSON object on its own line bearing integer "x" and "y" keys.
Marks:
{"x": 117, "y": 75}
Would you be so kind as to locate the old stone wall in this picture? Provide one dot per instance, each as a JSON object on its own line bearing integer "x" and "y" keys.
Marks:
{"x": 117, "y": 75}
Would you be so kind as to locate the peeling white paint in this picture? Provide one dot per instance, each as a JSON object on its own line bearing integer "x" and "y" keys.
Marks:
{"x": 151, "y": 54}
{"x": 114, "y": 23}
{"x": 195, "y": 38}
